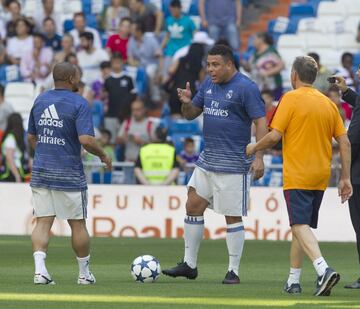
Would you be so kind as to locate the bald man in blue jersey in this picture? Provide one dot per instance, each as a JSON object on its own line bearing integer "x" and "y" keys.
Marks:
{"x": 60, "y": 123}
{"x": 230, "y": 103}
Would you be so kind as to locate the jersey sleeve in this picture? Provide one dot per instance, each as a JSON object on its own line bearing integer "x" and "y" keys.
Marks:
{"x": 198, "y": 99}
{"x": 254, "y": 104}
{"x": 339, "y": 128}
{"x": 84, "y": 122}
{"x": 31, "y": 123}
{"x": 283, "y": 115}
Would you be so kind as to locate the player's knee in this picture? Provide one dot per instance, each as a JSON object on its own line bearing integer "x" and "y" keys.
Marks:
{"x": 193, "y": 209}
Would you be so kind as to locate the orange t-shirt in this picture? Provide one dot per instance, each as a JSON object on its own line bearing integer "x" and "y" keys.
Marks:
{"x": 308, "y": 121}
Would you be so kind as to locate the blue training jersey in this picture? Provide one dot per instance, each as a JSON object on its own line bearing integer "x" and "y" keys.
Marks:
{"x": 228, "y": 111}
{"x": 58, "y": 118}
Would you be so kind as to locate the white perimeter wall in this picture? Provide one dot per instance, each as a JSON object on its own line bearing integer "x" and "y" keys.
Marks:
{"x": 145, "y": 211}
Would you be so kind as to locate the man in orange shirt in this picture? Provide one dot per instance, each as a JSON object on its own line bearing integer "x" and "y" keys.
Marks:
{"x": 307, "y": 121}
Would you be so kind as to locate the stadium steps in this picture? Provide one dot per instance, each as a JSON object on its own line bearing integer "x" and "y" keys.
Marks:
{"x": 265, "y": 13}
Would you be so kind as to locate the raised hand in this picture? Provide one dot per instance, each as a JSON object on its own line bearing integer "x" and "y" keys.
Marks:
{"x": 185, "y": 94}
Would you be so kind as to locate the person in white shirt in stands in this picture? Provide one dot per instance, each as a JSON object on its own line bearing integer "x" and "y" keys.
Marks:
{"x": 90, "y": 58}
{"x": 22, "y": 43}
{"x": 46, "y": 11}
{"x": 80, "y": 27}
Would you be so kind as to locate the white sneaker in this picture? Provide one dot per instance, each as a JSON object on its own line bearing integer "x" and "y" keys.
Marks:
{"x": 42, "y": 279}
{"x": 90, "y": 279}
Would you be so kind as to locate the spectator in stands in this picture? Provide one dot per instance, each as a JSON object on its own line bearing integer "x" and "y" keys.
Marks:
{"x": 5, "y": 111}
{"x": 80, "y": 27}
{"x": 179, "y": 32}
{"x": 188, "y": 154}
{"x": 98, "y": 85}
{"x": 35, "y": 66}
{"x": 117, "y": 43}
{"x": 120, "y": 91}
{"x": 358, "y": 34}
{"x": 14, "y": 8}
{"x": 148, "y": 14}
{"x": 22, "y": 43}
{"x": 270, "y": 104}
{"x": 90, "y": 58}
{"x": 47, "y": 11}
{"x": 321, "y": 83}
{"x": 265, "y": 65}
{"x": 72, "y": 58}
{"x": 67, "y": 47}
{"x": 144, "y": 51}
{"x": 344, "y": 108}
{"x": 346, "y": 70}
{"x": 52, "y": 39}
{"x": 135, "y": 131}
{"x": 156, "y": 163}
{"x": 222, "y": 19}
{"x": 14, "y": 152}
{"x": 186, "y": 69}
{"x": 113, "y": 15}
{"x": 8, "y": 72}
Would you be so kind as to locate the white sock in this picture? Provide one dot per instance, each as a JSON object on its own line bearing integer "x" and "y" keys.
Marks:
{"x": 235, "y": 238}
{"x": 294, "y": 276}
{"x": 84, "y": 266}
{"x": 193, "y": 234}
{"x": 39, "y": 259}
{"x": 320, "y": 265}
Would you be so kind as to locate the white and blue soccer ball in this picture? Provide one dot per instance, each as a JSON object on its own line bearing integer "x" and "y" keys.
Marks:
{"x": 145, "y": 268}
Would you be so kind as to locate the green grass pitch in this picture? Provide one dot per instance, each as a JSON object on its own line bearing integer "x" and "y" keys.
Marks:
{"x": 264, "y": 268}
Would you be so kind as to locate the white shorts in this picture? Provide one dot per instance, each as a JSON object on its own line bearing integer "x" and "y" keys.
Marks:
{"x": 64, "y": 205}
{"x": 227, "y": 194}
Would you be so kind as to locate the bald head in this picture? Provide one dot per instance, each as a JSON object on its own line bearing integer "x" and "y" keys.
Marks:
{"x": 66, "y": 75}
{"x": 63, "y": 71}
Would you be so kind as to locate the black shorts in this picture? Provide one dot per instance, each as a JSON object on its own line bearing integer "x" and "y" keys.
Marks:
{"x": 303, "y": 206}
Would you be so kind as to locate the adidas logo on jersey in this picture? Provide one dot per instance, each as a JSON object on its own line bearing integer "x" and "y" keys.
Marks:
{"x": 209, "y": 91}
{"x": 50, "y": 118}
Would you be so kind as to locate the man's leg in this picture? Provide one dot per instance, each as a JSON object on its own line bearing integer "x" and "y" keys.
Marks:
{"x": 40, "y": 242}
{"x": 296, "y": 258}
{"x": 80, "y": 241}
{"x": 235, "y": 237}
{"x": 327, "y": 278}
{"x": 193, "y": 234}
{"x": 232, "y": 35}
{"x": 354, "y": 208}
{"x": 214, "y": 32}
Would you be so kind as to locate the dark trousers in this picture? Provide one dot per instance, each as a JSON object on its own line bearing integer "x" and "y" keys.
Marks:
{"x": 354, "y": 206}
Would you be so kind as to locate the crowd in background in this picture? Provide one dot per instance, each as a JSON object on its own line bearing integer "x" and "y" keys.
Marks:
{"x": 132, "y": 60}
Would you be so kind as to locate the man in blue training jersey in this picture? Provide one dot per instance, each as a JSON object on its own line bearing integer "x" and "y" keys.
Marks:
{"x": 230, "y": 102}
{"x": 60, "y": 123}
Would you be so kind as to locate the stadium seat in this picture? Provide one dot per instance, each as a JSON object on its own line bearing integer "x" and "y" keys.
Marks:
{"x": 301, "y": 9}
{"x": 347, "y": 41}
{"x": 327, "y": 8}
{"x": 68, "y": 25}
{"x": 319, "y": 40}
{"x": 184, "y": 126}
{"x": 21, "y": 96}
{"x": 291, "y": 41}
{"x": 351, "y": 24}
{"x": 330, "y": 58}
{"x": 30, "y": 7}
{"x": 352, "y": 7}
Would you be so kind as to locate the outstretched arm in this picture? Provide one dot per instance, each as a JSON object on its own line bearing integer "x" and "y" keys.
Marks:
{"x": 268, "y": 141}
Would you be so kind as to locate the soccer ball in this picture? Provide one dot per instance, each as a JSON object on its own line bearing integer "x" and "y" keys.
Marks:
{"x": 145, "y": 268}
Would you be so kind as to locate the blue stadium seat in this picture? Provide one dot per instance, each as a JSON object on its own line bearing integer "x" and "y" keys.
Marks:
{"x": 184, "y": 127}
{"x": 68, "y": 25}
{"x": 300, "y": 9}
{"x": 356, "y": 62}
{"x": 91, "y": 21}
{"x": 86, "y": 6}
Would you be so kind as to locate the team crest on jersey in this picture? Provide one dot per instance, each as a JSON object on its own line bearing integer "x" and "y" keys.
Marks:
{"x": 229, "y": 94}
